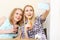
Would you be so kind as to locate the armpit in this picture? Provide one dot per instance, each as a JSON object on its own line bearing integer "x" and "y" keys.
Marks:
{"x": 40, "y": 20}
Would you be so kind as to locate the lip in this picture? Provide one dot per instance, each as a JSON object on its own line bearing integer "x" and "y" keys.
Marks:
{"x": 18, "y": 18}
{"x": 29, "y": 15}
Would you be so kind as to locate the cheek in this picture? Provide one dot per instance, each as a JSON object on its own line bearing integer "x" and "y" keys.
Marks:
{"x": 20, "y": 17}
{"x": 15, "y": 15}
{"x": 25, "y": 14}
{"x": 32, "y": 13}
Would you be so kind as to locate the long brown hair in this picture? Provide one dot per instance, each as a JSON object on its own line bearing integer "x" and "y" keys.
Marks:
{"x": 11, "y": 16}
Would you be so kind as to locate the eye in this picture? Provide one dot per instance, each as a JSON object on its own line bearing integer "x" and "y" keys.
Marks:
{"x": 26, "y": 10}
{"x": 17, "y": 13}
{"x": 31, "y": 10}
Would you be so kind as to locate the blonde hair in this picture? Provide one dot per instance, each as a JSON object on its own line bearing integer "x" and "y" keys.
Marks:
{"x": 11, "y": 16}
{"x": 33, "y": 18}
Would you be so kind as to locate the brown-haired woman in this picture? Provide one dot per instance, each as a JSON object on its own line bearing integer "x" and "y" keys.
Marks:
{"x": 9, "y": 27}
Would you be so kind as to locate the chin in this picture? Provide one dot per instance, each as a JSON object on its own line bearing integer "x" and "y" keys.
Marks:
{"x": 18, "y": 20}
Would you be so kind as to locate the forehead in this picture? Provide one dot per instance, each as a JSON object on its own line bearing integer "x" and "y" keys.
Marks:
{"x": 18, "y": 11}
{"x": 28, "y": 7}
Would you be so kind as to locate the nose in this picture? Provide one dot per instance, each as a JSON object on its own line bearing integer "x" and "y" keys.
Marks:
{"x": 29, "y": 11}
{"x": 18, "y": 16}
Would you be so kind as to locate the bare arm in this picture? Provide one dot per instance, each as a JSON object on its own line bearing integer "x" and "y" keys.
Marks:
{"x": 8, "y": 31}
{"x": 45, "y": 14}
{"x": 5, "y": 31}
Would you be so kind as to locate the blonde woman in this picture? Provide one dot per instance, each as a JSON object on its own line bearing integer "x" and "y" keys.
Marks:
{"x": 32, "y": 25}
{"x": 9, "y": 26}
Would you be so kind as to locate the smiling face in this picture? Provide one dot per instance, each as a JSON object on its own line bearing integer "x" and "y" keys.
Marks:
{"x": 17, "y": 15}
{"x": 28, "y": 11}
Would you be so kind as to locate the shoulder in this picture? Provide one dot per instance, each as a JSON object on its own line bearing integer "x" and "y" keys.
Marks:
{"x": 39, "y": 19}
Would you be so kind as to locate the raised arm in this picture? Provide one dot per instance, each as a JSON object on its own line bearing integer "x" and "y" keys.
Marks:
{"x": 45, "y": 14}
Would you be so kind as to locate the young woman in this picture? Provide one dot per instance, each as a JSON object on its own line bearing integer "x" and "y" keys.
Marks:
{"x": 32, "y": 25}
{"x": 9, "y": 27}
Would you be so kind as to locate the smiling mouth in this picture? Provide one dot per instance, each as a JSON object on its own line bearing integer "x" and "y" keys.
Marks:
{"x": 18, "y": 18}
{"x": 29, "y": 15}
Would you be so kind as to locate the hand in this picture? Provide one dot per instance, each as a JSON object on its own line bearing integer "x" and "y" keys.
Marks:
{"x": 48, "y": 10}
{"x": 28, "y": 27}
{"x": 15, "y": 26}
{"x": 13, "y": 30}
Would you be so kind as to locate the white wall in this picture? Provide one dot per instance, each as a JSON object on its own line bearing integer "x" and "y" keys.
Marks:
{"x": 6, "y": 6}
{"x": 55, "y": 20}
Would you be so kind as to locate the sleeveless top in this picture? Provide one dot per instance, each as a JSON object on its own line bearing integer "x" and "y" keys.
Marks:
{"x": 7, "y": 26}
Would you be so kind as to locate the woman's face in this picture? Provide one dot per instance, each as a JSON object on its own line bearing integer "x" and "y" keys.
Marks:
{"x": 29, "y": 13}
{"x": 18, "y": 15}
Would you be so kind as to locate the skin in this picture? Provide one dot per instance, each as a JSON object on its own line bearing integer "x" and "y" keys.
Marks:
{"x": 29, "y": 12}
{"x": 17, "y": 17}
